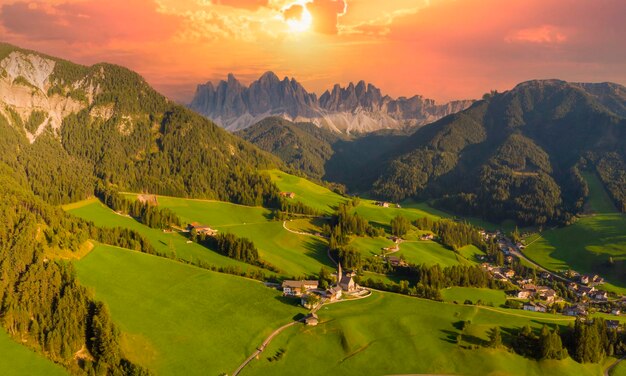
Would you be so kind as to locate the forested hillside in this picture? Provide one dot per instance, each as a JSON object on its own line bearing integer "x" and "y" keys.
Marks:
{"x": 322, "y": 154}
{"x": 42, "y": 304}
{"x": 514, "y": 155}
{"x": 302, "y": 146}
{"x": 65, "y": 126}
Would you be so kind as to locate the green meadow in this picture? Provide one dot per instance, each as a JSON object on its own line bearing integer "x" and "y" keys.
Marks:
{"x": 179, "y": 319}
{"x": 168, "y": 243}
{"x": 394, "y": 334}
{"x": 307, "y": 192}
{"x": 417, "y": 252}
{"x": 18, "y": 360}
{"x": 293, "y": 254}
{"x": 461, "y": 294}
{"x": 588, "y": 245}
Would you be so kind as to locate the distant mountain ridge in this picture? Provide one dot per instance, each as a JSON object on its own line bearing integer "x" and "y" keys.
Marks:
{"x": 517, "y": 155}
{"x": 356, "y": 108}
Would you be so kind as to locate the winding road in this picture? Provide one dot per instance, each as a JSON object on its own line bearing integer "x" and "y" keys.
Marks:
{"x": 260, "y": 349}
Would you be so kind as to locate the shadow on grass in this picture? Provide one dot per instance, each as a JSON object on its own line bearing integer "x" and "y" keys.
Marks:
{"x": 290, "y": 301}
{"x": 317, "y": 249}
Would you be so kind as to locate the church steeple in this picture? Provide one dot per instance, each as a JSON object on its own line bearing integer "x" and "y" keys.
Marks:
{"x": 339, "y": 274}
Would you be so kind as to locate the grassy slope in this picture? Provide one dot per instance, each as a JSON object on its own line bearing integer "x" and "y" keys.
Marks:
{"x": 309, "y": 193}
{"x": 415, "y": 252}
{"x": 179, "y": 319}
{"x": 292, "y": 253}
{"x": 394, "y": 334}
{"x": 587, "y": 245}
{"x": 460, "y": 294}
{"x": 101, "y": 215}
{"x": 18, "y": 360}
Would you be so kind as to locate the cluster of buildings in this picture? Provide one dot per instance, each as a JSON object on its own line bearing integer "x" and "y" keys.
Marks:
{"x": 499, "y": 273}
{"x": 304, "y": 288}
{"x": 544, "y": 293}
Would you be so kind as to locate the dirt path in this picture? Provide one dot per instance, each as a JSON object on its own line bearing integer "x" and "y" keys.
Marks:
{"x": 607, "y": 371}
{"x": 297, "y": 232}
{"x": 260, "y": 349}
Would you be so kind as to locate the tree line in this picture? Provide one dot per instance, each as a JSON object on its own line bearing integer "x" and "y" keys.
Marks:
{"x": 586, "y": 341}
{"x": 150, "y": 215}
{"x": 42, "y": 304}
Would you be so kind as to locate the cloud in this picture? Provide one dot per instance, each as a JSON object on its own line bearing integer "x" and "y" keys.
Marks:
{"x": 545, "y": 34}
{"x": 380, "y": 25}
{"x": 326, "y": 14}
{"x": 294, "y": 12}
{"x": 90, "y": 21}
{"x": 244, "y": 4}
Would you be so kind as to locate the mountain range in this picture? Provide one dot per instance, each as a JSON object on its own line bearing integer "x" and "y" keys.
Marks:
{"x": 356, "y": 108}
{"x": 517, "y": 155}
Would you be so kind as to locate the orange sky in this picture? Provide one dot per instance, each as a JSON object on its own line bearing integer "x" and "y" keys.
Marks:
{"x": 442, "y": 49}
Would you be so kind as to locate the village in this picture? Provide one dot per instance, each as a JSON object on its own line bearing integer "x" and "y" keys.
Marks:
{"x": 580, "y": 296}
{"x": 568, "y": 292}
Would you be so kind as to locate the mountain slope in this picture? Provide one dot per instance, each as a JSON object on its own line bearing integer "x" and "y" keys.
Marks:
{"x": 516, "y": 155}
{"x": 354, "y": 109}
{"x": 322, "y": 154}
{"x": 65, "y": 126}
{"x": 302, "y": 146}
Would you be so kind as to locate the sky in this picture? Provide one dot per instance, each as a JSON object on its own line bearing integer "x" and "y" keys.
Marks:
{"x": 442, "y": 49}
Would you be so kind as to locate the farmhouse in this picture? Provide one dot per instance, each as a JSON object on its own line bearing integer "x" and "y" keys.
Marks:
{"x": 333, "y": 293}
{"x": 547, "y": 294}
{"x": 201, "y": 229}
{"x": 616, "y": 311}
{"x": 535, "y": 307}
{"x": 396, "y": 261}
{"x": 297, "y": 288}
{"x": 427, "y": 237}
{"x": 288, "y": 194}
{"x": 382, "y": 204}
{"x": 311, "y": 319}
{"x": 577, "y": 310}
{"x": 525, "y": 293}
{"x": 510, "y": 273}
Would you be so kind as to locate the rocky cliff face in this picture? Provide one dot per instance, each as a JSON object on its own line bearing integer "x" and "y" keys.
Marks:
{"x": 356, "y": 108}
{"x": 26, "y": 98}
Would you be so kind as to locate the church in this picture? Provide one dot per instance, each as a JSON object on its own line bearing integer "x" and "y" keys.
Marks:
{"x": 345, "y": 282}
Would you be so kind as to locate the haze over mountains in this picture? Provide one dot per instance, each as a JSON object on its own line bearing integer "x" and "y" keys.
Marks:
{"x": 356, "y": 108}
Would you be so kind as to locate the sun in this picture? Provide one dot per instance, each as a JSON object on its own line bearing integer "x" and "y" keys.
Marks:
{"x": 302, "y": 23}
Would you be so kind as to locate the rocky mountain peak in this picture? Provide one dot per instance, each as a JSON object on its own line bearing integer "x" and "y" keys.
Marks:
{"x": 358, "y": 107}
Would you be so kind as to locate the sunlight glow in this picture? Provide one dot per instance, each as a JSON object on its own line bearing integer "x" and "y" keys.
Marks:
{"x": 303, "y": 24}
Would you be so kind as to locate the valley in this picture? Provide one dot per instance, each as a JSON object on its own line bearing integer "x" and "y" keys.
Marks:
{"x": 395, "y": 326}
{"x": 380, "y": 235}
